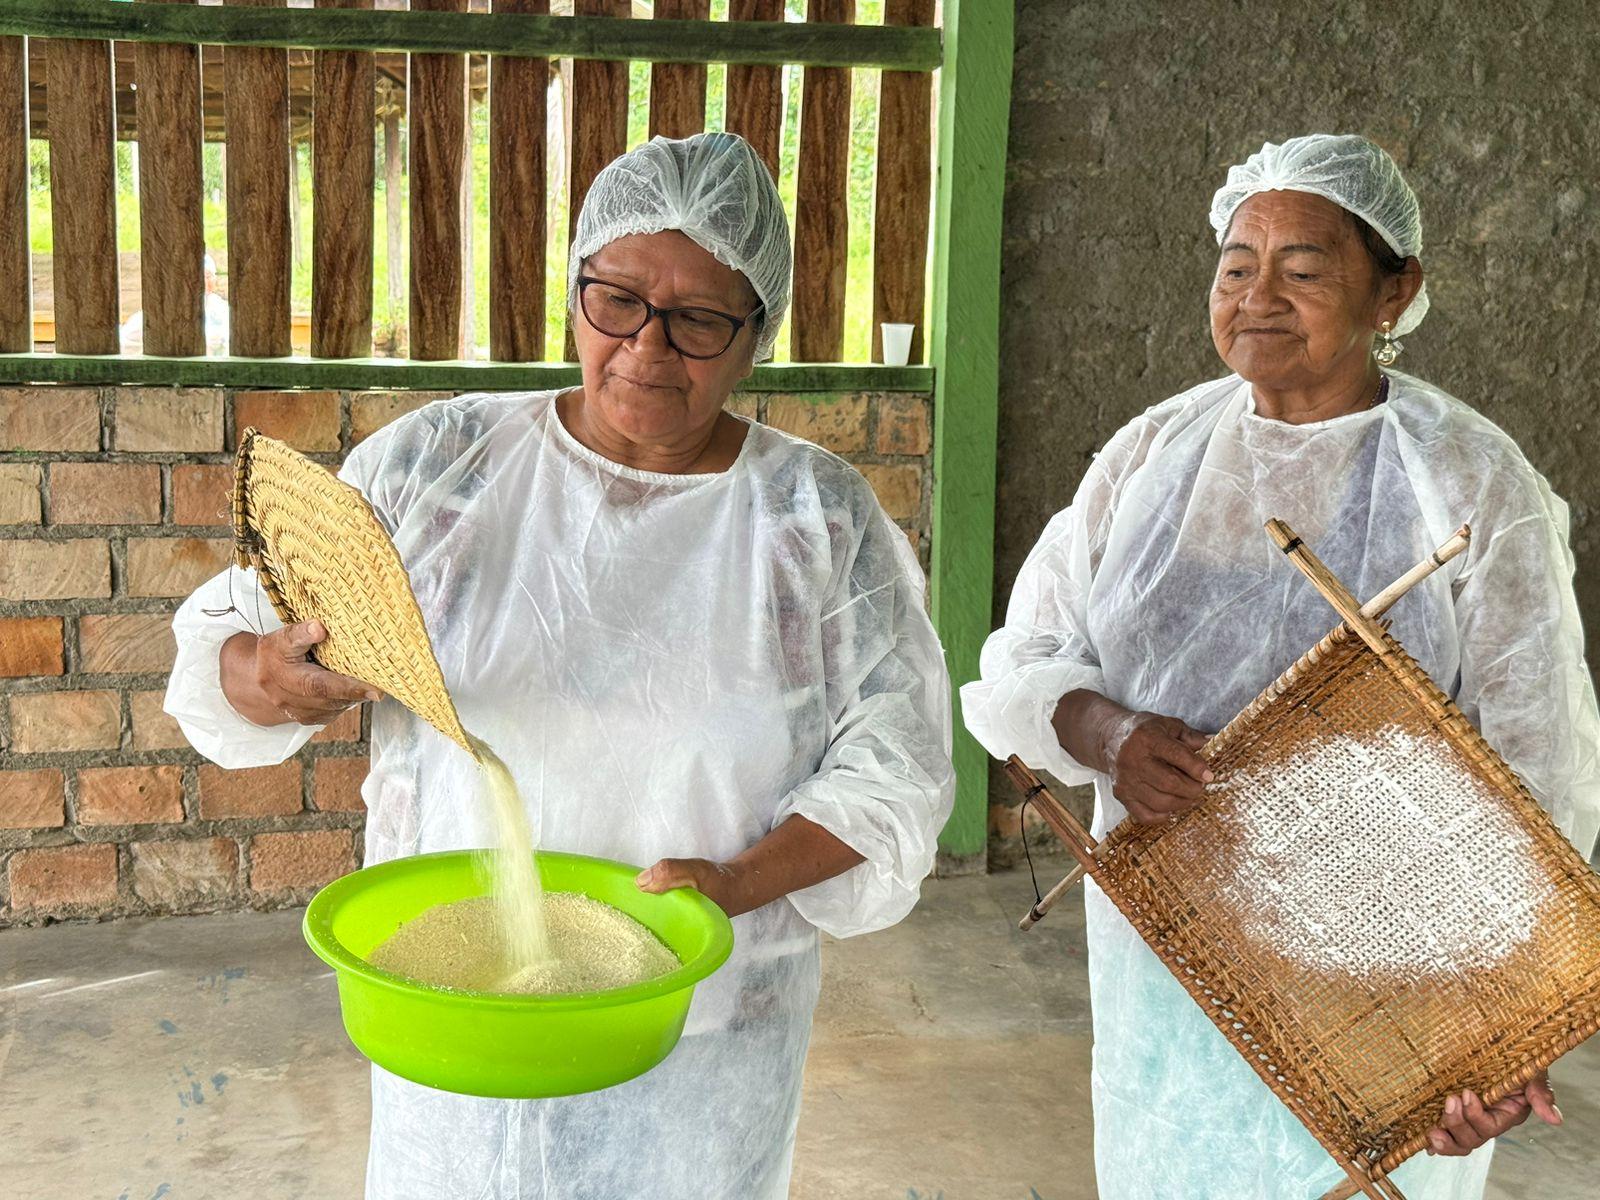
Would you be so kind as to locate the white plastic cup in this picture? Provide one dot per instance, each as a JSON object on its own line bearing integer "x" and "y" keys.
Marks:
{"x": 896, "y": 343}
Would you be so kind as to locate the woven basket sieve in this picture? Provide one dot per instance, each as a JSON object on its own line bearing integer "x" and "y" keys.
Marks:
{"x": 321, "y": 554}
{"x": 1364, "y": 1059}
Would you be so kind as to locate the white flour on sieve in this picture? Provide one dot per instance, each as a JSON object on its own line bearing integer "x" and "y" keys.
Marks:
{"x": 1379, "y": 855}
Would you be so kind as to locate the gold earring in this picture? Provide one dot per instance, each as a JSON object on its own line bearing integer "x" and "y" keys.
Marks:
{"x": 1389, "y": 347}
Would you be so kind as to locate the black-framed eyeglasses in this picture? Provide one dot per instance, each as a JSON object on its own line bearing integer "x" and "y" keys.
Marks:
{"x": 692, "y": 332}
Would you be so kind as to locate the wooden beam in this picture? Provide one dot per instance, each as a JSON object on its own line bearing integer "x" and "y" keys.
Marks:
{"x": 902, "y": 200}
{"x": 599, "y": 121}
{"x": 391, "y": 374}
{"x": 437, "y": 110}
{"x": 974, "y": 106}
{"x": 256, "y": 116}
{"x": 83, "y": 197}
{"x": 755, "y": 93}
{"x": 172, "y": 236}
{"x": 517, "y": 116}
{"x": 341, "y": 199}
{"x": 582, "y": 37}
{"x": 822, "y": 212}
{"x": 16, "y": 273}
{"x": 678, "y": 90}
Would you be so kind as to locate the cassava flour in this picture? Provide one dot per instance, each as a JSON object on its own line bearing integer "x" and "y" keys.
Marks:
{"x": 1375, "y": 855}
{"x": 518, "y": 897}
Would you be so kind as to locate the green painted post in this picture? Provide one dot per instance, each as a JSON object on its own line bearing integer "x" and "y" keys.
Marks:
{"x": 974, "y": 117}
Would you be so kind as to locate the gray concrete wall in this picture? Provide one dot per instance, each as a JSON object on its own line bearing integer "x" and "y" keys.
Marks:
{"x": 1125, "y": 118}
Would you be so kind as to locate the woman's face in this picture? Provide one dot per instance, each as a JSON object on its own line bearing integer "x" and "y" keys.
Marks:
{"x": 640, "y": 386}
{"x": 1297, "y": 298}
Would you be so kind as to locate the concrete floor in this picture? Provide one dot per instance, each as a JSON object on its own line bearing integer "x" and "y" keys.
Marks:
{"x": 203, "y": 1057}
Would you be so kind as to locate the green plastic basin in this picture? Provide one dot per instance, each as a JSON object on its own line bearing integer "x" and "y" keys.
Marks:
{"x": 488, "y": 1044}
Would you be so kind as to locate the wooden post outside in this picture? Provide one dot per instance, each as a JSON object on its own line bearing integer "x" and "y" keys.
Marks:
{"x": 341, "y": 199}
{"x": 599, "y": 119}
{"x": 755, "y": 94}
{"x": 436, "y": 106}
{"x": 518, "y": 89}
{"x": 901, "y": 203}
{"x": 394, "y": 253}
{"x": 16, "y": 270}
{"x": 678, "y": 90}
{"x": 974, "y": 107}
{"x": 469, "y": 308}
{"x": 256, "y": 118}
{"x": 822, "y": 213}
{"x": 83, "y": 196}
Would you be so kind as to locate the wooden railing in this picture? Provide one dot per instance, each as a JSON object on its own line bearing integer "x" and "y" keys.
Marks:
{"x": 521, "y": 39}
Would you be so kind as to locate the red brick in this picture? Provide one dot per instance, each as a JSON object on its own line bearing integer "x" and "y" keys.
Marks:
{"x": 130, "y": 795}
{"x": 899, "y": 489}
{"x": 371, "y": 411}
{"x": 175, "y": 566}
{"x": 202, "y": 495}
{"x": 30, "y": 646}
{"x": 287, "y": 862}
{"x": 837, "y": 423}
{"x": 19, "y": 494}
{"x": 44, "y": 721}
{"x": 346, "y": 727}
{"x": 168, "y": 419}
{"x": 253, "y": 792}
{"x": 49, "y": 419}
{"x": 305, "y": 420}
{"x": 126, "y": 643}
{"x": 903, "y": 425}
{"x": 32, "y": 799}
{"x": 64, "y": 879}
{"x": 105, "y": 494}
{"x": 152, "y": 728}
{"x": 31, "y": 569}
{"x": 185, "y": 874}
{"x": 338, "y": 784}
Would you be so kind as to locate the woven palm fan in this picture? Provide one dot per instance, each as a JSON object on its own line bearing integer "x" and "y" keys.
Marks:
{"x": 1368, "y": 903}
{"x": 321, "y": 554}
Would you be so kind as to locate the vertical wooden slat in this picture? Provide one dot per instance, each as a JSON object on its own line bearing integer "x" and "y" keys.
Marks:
{"x": 172, "y": 242}
{"x": 517, "y": 90}
{"x": 755, "y": 94}
{"x": 678, "y": 90}
{"x": 341, "y": 199}
{"x": 83, "y": 196}
{"x": 255, "y": 84}
{"x": 436, "y": 102}
{"x": 822, "y": 218}
{"x": 599, "y": 122}
{"x": 16, "y": 283}
{"x": 900, "y": 221}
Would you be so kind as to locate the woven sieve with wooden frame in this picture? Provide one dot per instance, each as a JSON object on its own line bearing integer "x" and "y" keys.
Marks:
{"x": 1364, "y": 1060}
{"x": 321, "y": 553}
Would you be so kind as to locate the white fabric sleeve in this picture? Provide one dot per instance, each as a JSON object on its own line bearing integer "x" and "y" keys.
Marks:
{"x": 227, "y": 604}
{"x": 885, "y": 786}
{"x": 1524, "y": 681}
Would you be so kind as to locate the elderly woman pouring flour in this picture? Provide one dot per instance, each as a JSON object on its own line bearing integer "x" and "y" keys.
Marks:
{"x": 697, "y": 643}
{"x": 1154, "y": 608}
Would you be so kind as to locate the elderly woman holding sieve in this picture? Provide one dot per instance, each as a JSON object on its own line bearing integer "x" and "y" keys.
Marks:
{"x": 1154, "y": 608}
{"x": 697, "y": 642}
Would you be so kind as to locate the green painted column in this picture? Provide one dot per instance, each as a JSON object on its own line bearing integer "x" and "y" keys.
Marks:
{"x": 974, "y": 117}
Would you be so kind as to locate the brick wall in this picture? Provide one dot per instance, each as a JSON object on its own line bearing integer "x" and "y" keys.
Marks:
{"x": 113, "y": 506}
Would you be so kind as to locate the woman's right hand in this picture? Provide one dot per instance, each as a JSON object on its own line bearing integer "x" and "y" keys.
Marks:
{"x": 1153, "y": 761}
{"x": 271, "y": 680}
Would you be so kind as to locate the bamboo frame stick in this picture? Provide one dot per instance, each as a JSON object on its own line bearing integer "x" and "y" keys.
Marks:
{"x": 1037, "y": 912}
{"x": 1324, "y": 580}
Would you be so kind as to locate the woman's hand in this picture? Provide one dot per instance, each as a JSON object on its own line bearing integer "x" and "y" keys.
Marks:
{"x": 1468, "y": 1123}
{"x": 1152, "y": 760}
{"x": 719, "y": 882}
{"x": 271, "y": 680}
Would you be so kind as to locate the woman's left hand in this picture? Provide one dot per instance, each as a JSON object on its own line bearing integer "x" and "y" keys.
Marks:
{"x": 722, "y": 883}
{"x": 1469, "y": 1123}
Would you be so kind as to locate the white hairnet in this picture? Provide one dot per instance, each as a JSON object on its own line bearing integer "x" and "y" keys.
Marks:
{"x": 713, "y": 188}
{"x": 1355, "y": 174}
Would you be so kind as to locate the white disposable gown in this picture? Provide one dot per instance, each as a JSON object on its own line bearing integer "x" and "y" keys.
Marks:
{"x": 1159, "y": 589}
{"x": 671, "y": 665}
